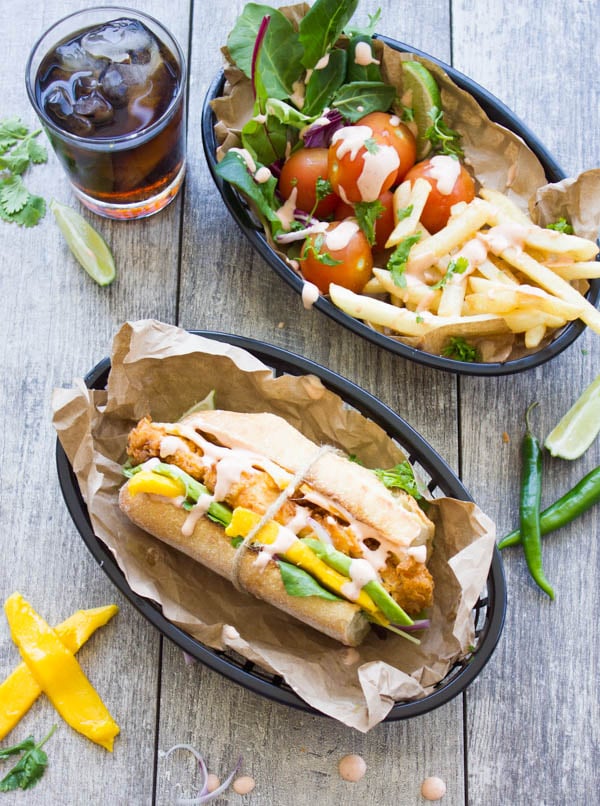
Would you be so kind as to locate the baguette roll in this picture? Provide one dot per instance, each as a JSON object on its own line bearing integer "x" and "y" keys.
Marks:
{"x": 259, "y": 472}
{"x": 343, "y": 621}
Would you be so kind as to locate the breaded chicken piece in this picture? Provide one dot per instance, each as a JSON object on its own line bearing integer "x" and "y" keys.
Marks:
{"x": 144, "y": 443}
{"x": 255, "y": 491}
{"x": 409, "y": 582}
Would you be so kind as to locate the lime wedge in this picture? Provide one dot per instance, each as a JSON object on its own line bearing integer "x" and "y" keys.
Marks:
{"x": 424, "y": 96}
{"x": 579, "y": 427}
{"x": 88, "y": 246}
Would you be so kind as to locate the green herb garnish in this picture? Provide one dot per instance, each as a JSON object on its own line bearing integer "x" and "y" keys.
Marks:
{"x": 323, "y": 188}
{"x": 400, "y": 476}
{"x": 404, "y": 212}
{"x": 29, "y": 768}
{"x": 458, "y": 266}
{"x": 461, "y": 350}
{"x": 367, "y": 214}
{"x": 399, "y": 257}
{"x": 19, "y": 150}
{"x": 443, "y": 139}
{"x": 314, "y": 248}
{"x": 562, "y": 225}
{"x": 298, "y": 582}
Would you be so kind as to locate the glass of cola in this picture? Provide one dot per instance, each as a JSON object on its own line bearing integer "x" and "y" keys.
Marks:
{"x": 108, "y": 85}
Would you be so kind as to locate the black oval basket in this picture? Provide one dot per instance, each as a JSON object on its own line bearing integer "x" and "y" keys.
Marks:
{"x": 488, "y": 612}
{"x": 253, "y": 230}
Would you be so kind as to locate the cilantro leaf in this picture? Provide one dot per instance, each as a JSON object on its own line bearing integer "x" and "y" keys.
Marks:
{"x": 367, "y": 214}
{"x": 29, "y": 769}
{"x": 401, "y": 476}
{"x": 404, "y": 212}
{"x": 460, "y": 350}
{"x": 323, "y": 188}
{"x": 315, "y": 247}
{"x": 372, "y": 145}
{"x": 458, "y": 266}
{"x": 37, "y": 153}
{"x": 18, "y": 149}
{"x": 11, "y": 130}
{"x": 399, "y": 257}
{"x": 562, "y": 225}
{"x": 443, "y": 139}
{"x": 13, "y": 194}
{"x": 30, "y": 214}
{"x": 26, "y": 744}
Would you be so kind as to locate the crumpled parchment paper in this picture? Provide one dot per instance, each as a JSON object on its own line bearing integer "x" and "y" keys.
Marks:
{"x": 161, "y": 370}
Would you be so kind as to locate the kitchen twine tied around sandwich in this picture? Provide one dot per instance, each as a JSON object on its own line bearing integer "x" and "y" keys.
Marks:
{"x": 298, "y": 476}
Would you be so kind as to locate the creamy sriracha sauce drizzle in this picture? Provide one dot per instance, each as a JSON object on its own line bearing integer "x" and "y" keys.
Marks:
{"x": 376, "y": 166}
{"x": 231, "y": 462}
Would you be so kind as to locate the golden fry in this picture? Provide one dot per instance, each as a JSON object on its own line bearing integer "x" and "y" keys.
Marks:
{"x": 405, "y": 197}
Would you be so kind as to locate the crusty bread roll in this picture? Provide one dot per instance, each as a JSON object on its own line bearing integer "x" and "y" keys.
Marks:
{"x": 355, "y": 488}
{"x": 326, "y": 479}
{"x": 343, "y": 621}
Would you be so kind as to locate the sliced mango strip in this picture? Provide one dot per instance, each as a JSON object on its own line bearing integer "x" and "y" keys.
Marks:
{"x": 244, "y": 520}
{"x": 20, "y": 689}
{"x": 148, "y": 482}
{"x": 58, "y": 674}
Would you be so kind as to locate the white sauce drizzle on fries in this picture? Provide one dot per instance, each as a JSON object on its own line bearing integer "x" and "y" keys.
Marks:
{"x": 517, "y": 279}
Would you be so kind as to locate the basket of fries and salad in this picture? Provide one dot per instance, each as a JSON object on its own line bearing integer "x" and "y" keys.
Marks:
{"x": 399, "y": 197}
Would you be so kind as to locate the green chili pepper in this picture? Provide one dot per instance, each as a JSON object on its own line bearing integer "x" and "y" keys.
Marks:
{"x": 529, "y": 506}
{"x": 575, "y": 502}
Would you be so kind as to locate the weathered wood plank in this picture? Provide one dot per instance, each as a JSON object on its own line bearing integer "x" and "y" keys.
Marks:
{"x": 533, "y": 715}
{"x": 56, "y": 324}
{"x": 224, "y": 286}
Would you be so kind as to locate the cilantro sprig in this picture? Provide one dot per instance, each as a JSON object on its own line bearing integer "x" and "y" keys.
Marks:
{"x": 18, "y": 150}
{"x": 562, "y": 225}
{"x": 443, "y": 139}
{"x": 399, "y": 257}
{"x": 456, "y": 266}
{"x": 29, "y": 768}
{"x": 367, "y": 214}
{"x": 460, "y": 350}
{"x": 315, "y": 247}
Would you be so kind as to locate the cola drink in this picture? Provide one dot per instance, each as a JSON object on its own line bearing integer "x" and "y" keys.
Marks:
{"x": 111, "y": 98}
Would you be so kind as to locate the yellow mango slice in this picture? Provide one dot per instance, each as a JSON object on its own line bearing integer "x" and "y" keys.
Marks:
{"x": 147, "y": 482}
{"x": 20, "y": 690}
{"x": 58, "y": 674}
{"x": 244, "y": 520}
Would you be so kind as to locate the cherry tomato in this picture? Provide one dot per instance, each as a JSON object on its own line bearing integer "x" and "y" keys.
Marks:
{"x": 343, "y": 258}
{"x": 436, "y": 171}
{"x": 362, "y": 164}
{"x": 384, "y": 223}
{"x": 396, "y": 134}
{"x": 301, "y": 171}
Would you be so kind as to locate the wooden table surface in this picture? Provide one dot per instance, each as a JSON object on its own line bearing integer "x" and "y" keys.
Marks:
{"x": 528, "y": 730}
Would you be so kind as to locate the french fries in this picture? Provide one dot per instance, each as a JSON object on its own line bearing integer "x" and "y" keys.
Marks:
{"x": 489, "y": 272}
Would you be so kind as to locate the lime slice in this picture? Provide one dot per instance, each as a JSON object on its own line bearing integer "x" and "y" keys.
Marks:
{"x": 88, "y": 246}
{"x": 424, "y": 96}
{"x": 579, "y": 427}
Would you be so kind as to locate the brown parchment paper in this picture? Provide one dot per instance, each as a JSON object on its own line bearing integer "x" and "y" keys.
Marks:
{"x": 498, "y": 159}
{"x": 163, "y": 370}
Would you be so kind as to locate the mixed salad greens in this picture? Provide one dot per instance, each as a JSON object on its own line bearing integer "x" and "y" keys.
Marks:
{"x": 308, "y": 84}
{"x": 341, "y": 145}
